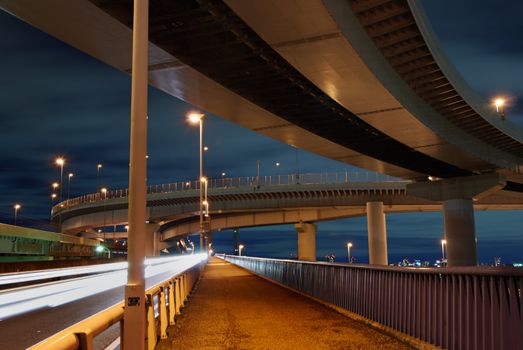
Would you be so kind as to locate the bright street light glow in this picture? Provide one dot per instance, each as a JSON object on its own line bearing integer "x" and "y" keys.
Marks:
{"x": 17, "y": 206}
{"x": 70, "y": 175}
{"x": 60, "y": 161}
{"x": 205, "y": 148}
{"x": 194, "y": 118}
{"x": 349, "y": 244}
{"x": 53, "y": 196}
{"x": 55, "y": 185}
{"x": 499, "y": 103}
{"x": 99, "y": 166}
{"x": 277, "y": 164}
{"x": 443, "y": 241}
{"x": 203, "y": 179}
{"x": 205, "y": 203}
{"x": 103, "y": 190}
{"x": 223, "y": 174}
{"x": 100, "y": 248}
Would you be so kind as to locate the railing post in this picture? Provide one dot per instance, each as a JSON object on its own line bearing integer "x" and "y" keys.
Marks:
{"x": 151, "y": 323}
{"x": 85, "y": 340}
{"x": 172, "y": 302}
{"x": 185, "y": 293}
{"x": 178, "y": 296}
{"x": 162, "y": 308}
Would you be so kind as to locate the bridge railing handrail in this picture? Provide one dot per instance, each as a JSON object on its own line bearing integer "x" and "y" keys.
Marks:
{"x": 452, "y": 308}
{"x": 236, "y": 182}
{"x": 164, "y": 300}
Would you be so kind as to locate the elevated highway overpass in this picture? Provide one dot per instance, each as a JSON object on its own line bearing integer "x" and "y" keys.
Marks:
{"x": 172, "y": 209}
{"x": 360, "y": 81}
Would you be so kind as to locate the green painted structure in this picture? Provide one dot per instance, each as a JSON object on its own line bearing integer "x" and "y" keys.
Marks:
{"x": 18, "y": 244}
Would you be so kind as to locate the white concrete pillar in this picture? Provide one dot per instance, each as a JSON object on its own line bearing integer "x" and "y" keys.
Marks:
{"x": 151, "y": 239}
{"x": 460, "y": 232}
{"x": 306, "y": 241}
{"x": 377, "y": 233}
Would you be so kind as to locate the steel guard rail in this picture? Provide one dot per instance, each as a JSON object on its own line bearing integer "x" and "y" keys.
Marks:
{"x": 235, "y": 182}
{"x": 465, "y": 308}
{"x": 164, "y": 301}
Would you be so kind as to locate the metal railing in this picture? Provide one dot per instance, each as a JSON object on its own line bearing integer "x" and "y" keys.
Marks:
{"x": 236, "y": 182}
{"x": 164, "y": 301}
{"x": 466, "y": 308}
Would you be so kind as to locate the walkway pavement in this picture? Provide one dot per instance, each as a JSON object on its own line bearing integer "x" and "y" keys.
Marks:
{"x": 234, "y": 309}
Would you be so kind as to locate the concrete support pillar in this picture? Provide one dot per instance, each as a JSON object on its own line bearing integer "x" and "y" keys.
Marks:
{"x": 152, "y": 239}
{"x": 377, "y": 233}
{"x": 460, "y": 232}
{"x": 306, "y": 241}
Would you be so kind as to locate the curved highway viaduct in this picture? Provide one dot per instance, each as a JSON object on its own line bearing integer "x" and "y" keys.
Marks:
{"x": 245, "y": 202}
{"x": 360, "y": 81}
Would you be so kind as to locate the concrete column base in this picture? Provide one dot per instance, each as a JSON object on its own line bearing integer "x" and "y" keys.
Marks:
{"x": 460, "y": 232}
{"x": 306, "y": 241}
{"x": 377, "y": 233}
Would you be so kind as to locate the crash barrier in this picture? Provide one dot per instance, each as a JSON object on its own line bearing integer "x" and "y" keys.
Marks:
{"x": 466, "y": 308}
{"x": 164, "y": 302}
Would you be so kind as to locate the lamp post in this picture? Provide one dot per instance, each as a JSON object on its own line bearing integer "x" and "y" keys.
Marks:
{"x": 258, "y": 164}
{"x": 104, "y": 192}
{"x": 135, "y": 320}
{"x": 240, "y": 248}
{"x": 277, "y": 166}
{"x": 500, "y": 107}
{"x": 349, "y": 245}
{"x": 16, "y": 207}
{"x": 197, "y": 118}
{"x": 98, "y": 167}
{"x": 60, "y": 162}
{"x": 443, "y": 243}
{"x": 69, "y": 176}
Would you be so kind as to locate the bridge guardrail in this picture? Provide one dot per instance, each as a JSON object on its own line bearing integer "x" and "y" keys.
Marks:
{"x": 235, "y": 182}
{"x": 164, "y": 301}
{"x": 465, "y": 308}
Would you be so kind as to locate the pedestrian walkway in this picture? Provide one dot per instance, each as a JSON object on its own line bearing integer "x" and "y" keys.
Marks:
{"x": 234, "y": 309}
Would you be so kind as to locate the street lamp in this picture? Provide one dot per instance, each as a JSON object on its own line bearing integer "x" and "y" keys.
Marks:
{"x": 17, "y": 207}
{"x": 277, "y": 165}
{"x": 104, "y": 192}
{"x": 55, "y": 185}
{"x": 197, "y": 119}
{"x": 61, "y": 162}
{"x": 443, "y": 244}
{"x": 240, "y": 247}
{"x": 69, "y": 184}
{"x": 349, "y": 245}
{"x": 98, "y": 167}
{"x": 499, "y": 102}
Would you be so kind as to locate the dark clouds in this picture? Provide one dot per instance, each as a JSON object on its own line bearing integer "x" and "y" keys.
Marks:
{"x": 55, "y": 100}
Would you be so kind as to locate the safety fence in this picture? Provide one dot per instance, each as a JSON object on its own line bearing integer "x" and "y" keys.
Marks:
{"x": 469, "y": 308}
{"x": 235, "y": 182}
{"x": 164, "y": 302}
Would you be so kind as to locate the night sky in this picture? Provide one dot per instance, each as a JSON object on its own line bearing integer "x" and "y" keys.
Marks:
{"x": 55, "y": 100}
